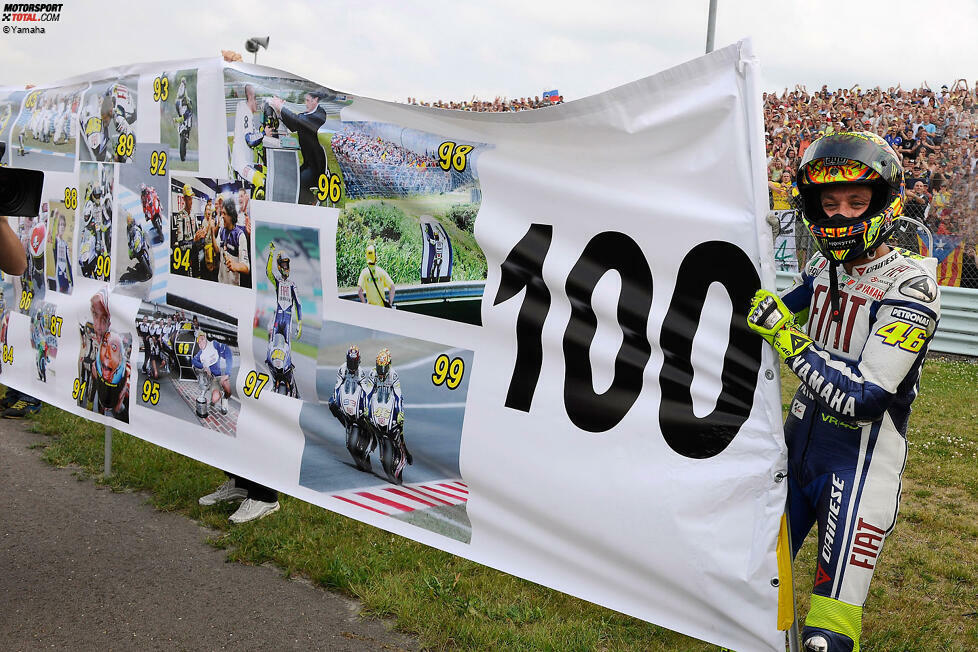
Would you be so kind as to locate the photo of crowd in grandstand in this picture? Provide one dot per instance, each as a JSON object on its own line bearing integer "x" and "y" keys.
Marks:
{"x": 44, "y": 340}
{"x": 61, "y": 229}
{"x": 108, "y": 121}
{"x": 102, "y": 384}
{"x": 30, "y": 287}
{"x": 96, "y": 193}
{"x": 9, "y": 108}
{"x": 405, "y": 236}
{"x": 188, "y": 363}
{"x": 390, "y": 418}
{"x": 288, "y": 308}
{"x": 142, "y": 246}
{"x": 44, "y": 135}
{"x": 210, "y": 231}
{"x": 178, "y": 119}
{"x": 274, "y": 126}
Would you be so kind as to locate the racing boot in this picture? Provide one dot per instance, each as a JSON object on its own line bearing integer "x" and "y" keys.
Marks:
{"x": 224, "y": 405}
{"x": 832, "y": 626}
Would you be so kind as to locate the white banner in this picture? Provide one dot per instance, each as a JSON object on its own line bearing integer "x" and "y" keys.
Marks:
{"x": 565, "y": 388}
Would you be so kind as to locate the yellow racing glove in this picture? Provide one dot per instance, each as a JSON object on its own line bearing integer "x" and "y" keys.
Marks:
{"x": 771, "y": 319}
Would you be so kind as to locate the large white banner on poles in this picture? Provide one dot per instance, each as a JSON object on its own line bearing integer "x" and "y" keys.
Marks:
{"x": 556, "y": 379}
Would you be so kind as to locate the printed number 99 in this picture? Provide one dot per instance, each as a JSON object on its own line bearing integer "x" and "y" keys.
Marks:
{"x": 452, "y": 156}
{"x": 448, "y": 373}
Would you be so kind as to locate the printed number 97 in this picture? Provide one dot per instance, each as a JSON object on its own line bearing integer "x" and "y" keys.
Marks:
{"x": 161, "y": 89}
{"x": 452, "y": 156}
{"x": 448, "y": 373}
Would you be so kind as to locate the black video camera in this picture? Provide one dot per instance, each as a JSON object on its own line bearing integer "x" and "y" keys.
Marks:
{"x": 20, "y": 190}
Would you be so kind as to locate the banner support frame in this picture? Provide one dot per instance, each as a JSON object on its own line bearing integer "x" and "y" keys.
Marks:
{"x": 107, "y": 471}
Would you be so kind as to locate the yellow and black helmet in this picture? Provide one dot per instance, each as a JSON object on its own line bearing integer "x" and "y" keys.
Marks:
{"x": 858, "y": 157}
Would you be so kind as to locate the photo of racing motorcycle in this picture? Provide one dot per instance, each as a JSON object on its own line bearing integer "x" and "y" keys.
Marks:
{"x": 177, "y": 91}
{"x": 43, "y": 340}
{"x": 392, "y": 415}
{"x": 288, "y": 306}
{"x": 95, "y": 199}
{"x": 44, "y": 134}
{"x": 188, "y": 360}
{"x": 108, "y": 121}
{"x": 142, "y": 241}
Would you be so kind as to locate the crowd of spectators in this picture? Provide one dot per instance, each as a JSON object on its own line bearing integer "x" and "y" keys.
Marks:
{"x": 934, "y": 131}
{"x": 375, "y": 167}
{"x": 485, "y": 106}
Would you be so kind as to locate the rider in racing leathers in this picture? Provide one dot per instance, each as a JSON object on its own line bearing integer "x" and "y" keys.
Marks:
{"x": 859, "y": 360}
{"x": 285, "y": 297}
{"x": 214, "y": 360}
{"x": 384, "y": 375}
{"x": 349, "y": 369}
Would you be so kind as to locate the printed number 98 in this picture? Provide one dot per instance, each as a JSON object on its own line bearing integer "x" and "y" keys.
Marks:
{"x": 448, "y": 373}
{"x": 452, "y": 156}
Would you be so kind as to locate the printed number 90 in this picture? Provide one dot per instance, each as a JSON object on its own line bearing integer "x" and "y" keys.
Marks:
{"x": 448, "y": 373}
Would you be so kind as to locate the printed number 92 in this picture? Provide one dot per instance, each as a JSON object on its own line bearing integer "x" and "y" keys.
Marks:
{"x": 448, "y": 373}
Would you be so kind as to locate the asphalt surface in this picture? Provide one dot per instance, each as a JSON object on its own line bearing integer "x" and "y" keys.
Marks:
{"x": 86, "y": 568}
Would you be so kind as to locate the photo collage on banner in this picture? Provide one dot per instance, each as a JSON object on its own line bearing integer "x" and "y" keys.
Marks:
{"x": 406, "y": 229}
{"x": 44, "y": 137}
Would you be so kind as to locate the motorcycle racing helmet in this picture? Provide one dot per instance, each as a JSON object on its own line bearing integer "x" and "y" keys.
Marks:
{"x": 270, "y": 119}
{"x": 371, "y": 255}
{"x": 353, "y": 358}
{"x": 383, "y": 364}
{"x": 850, "y": 158}
{"x": 283, "y": 261}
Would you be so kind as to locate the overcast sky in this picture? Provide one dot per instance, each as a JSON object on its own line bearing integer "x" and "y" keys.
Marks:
{"x": 454, "y": 49}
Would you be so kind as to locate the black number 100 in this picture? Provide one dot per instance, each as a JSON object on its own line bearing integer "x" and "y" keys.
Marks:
{"x": 708, "y": 262}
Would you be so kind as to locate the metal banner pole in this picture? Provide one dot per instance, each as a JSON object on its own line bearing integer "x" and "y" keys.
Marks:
{"x": 108, "y": 452}
{"x": 711, "y": 26}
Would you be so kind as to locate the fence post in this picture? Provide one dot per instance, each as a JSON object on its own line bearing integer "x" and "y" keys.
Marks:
{"x": 108, "y": 452}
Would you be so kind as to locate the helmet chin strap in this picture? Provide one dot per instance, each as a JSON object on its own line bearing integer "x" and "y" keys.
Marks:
{"x": 834, "y": 291}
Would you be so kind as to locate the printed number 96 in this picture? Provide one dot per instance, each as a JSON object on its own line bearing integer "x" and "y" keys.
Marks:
{"x": 448, "y": 373}
{"x": 329, "y": 187}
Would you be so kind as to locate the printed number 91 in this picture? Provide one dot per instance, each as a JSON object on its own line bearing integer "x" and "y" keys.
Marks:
{"x": 452, "y": 156}
{"x": 448, "y": 373}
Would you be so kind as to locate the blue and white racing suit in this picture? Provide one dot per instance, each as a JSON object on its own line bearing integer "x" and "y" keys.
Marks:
{"x": 846, "y": 430}
{"x": 285, "y": 299}
{"x": 216, "y": 358}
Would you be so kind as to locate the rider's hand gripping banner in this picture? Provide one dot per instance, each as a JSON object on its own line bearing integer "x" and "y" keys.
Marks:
{"x": 519, "y": 337}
